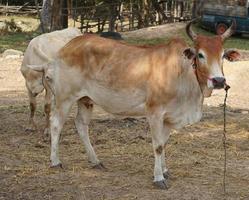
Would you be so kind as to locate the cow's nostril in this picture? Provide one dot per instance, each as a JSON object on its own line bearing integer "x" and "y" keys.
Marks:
{"x": 218, "y": 82}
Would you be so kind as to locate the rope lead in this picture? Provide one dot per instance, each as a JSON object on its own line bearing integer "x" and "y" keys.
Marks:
{"x": 226, "y": 88}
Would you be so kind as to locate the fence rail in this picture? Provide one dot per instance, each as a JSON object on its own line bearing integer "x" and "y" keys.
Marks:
{"x": 18, "y": 10}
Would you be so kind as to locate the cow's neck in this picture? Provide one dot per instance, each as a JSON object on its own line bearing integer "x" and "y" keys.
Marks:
{"x": 186, "y": 107}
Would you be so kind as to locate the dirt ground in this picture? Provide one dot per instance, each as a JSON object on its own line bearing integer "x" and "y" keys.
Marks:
{"x": 194, "y": 154}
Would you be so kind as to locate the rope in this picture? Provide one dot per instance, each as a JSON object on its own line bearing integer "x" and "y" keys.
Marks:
{"x": 227, "y": 87}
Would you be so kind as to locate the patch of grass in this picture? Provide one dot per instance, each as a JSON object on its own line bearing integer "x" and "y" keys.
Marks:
{"x": 18, "y": 41}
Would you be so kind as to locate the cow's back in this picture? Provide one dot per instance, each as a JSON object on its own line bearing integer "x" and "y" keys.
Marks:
{"x": 41, "y": 50}
{"x": 46, "y": 46}
{"x": 114, "y": 62}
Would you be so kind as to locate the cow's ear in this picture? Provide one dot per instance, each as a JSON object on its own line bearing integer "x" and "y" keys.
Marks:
{"x": 232, "y": 55}
{"x": 38, "y": 68}
{"x": 190, "y": 53}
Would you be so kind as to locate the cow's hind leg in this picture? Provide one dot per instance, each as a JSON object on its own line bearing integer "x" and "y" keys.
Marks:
{"x": 32, "y": 106}
{"x": 57, "y": 120}
{"x": 47, "y": 110}
{"x": 85, "y": 108}
{"x": 160, "y": 135}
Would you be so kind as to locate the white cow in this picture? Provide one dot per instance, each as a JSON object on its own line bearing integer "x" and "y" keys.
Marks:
{"x": 42, "y": 48}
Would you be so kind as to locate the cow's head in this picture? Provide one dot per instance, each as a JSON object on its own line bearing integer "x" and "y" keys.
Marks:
{"x": 47, "y": 71}
{"x": 208, "y": 55}
{"x": 33, "y": 81}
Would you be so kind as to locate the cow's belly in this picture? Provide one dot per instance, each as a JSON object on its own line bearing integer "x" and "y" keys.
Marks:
{"x": 121, "y": 102}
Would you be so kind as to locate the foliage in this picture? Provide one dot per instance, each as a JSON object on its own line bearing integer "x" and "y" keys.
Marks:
{"x": 10, "y": 26}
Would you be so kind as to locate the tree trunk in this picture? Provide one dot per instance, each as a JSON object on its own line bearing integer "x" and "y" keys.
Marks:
{"x": 56, "y": 15}
{"x": 146, "y": 12}
{"x": 46, "y": 15}
{"x": 64, "y": 16}
{"x": 140, "y": 14}
{"x": 113, "y": 15}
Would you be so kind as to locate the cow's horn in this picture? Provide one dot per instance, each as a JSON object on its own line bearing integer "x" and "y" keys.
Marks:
{"x": 229, "y": 31}
{"x": 189, "y": 30}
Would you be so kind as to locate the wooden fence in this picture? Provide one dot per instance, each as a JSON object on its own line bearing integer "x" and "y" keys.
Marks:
{"x": 18, "y": 10}
{"x": 117, "y": 16}
{"x": 123, "y": 17}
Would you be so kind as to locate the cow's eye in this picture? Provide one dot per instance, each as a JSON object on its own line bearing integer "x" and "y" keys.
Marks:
{"x": 200, "y": 56}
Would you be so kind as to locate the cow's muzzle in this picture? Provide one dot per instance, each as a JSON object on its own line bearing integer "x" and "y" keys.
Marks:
{"x": 219, "y": 82}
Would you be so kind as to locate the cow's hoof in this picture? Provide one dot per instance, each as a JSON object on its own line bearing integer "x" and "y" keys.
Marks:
{"x": 161, "y": 184}
{"x": 166, "y": 175}
{"x": 30, "y": 129}
{"x": 57, "y": 166}
{"x": 99, "y": 166}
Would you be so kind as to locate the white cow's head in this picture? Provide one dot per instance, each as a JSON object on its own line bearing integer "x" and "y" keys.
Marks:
{"x": 33, "y": 81}
{"x": 46, "y": 71}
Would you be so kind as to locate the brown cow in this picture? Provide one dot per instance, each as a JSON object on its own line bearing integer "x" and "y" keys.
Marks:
{"x": 157, "y": 82}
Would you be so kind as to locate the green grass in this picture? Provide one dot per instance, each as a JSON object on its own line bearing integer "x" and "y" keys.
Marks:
{"x": 18, "y": 41}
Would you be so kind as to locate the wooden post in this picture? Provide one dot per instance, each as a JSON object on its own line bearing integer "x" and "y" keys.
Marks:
{"x": 131, "y": 16}
{"x": 121, "y": 16}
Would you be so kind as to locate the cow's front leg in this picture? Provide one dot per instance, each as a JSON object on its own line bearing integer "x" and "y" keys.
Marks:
{"x": 160, "y": 135}
{"x": 57, "y": 120}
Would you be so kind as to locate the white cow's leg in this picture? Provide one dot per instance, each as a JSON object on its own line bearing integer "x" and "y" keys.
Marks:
{"x": 47, "y": 110}
{"x": 32, "y": 106}
{"x": 85, "y": 108}
{"x": 160, "y": 136}
{"x": 57, "y": 120}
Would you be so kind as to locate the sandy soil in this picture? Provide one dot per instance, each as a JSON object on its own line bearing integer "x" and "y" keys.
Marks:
{"x": 194, "y": 154}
